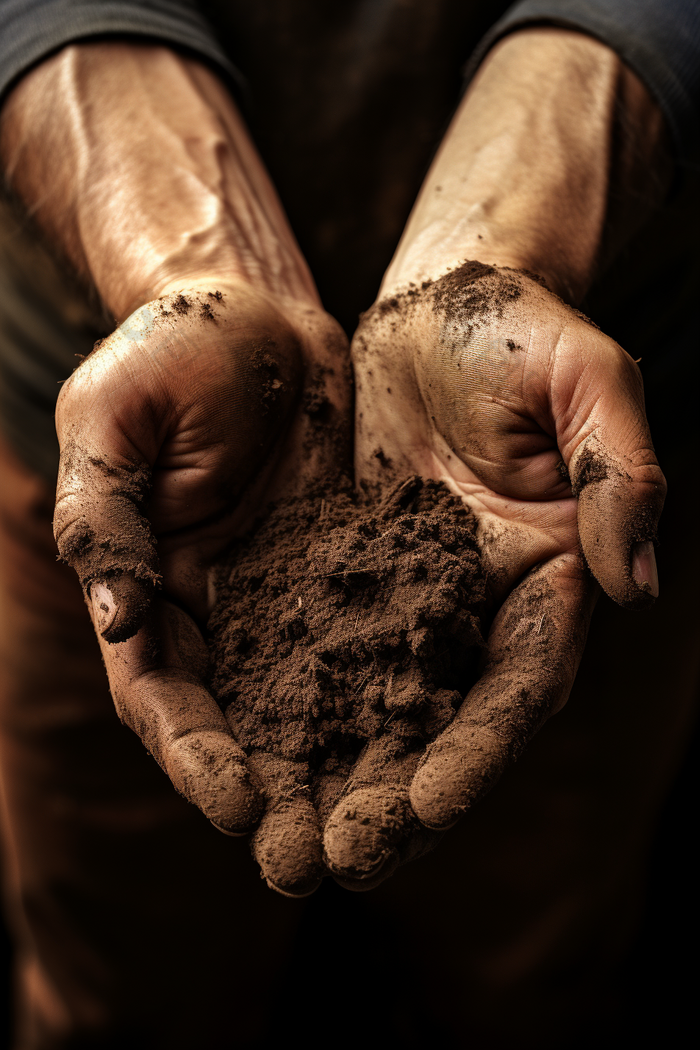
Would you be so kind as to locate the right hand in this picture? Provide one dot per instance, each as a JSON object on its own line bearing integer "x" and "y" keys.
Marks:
{"x": 139, "y": 171}
{"x": 174, "y": 432}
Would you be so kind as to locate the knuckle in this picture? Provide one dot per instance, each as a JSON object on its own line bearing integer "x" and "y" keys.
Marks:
{"x": 73, "y": 534}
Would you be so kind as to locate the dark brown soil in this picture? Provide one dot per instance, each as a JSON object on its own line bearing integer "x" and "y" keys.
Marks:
{"x": 591, "y": 467}
{"x": 341, "y": 622}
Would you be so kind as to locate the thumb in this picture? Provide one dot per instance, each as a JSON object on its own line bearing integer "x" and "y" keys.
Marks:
{"x": 618, "y": 481}
{"x": 102, "y": 533}
{"x": 104, "y": 479}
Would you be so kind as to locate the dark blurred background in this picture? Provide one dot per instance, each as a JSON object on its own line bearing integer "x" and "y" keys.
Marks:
{"x": 656, "y": 1000}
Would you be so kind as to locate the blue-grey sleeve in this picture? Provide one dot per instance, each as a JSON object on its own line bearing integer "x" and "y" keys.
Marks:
{"x": 30, "y": 30}
{"x": 658, "y": 39}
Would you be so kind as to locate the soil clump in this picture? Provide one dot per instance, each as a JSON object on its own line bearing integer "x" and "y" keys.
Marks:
{"x": 340, "y": 622}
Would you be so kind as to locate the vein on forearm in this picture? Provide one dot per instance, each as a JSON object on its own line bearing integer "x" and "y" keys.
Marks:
{"x": 137, "y": 166}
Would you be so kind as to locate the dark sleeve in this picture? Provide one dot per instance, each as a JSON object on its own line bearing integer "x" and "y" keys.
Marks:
{"x": 30, "y": 30}
{"x": 658, "y": 39}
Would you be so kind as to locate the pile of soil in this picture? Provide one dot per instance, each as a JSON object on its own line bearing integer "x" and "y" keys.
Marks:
{"x": 340, "y": 621}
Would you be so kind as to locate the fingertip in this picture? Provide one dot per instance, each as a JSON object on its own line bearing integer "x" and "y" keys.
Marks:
{"x": 238, "y": 805}
{"x": 307, "y": 889}
{"x": 437, "y": 792}
{"x": 420, "y": 841}
{"x": 619, "y": 506}
{"x": 633, "y": 581}
{"x": 384, "y": 870}
{"x": 229, "y": 834}
{"x": 207, "y": 767}
{"x": 287, "y": 846}
{"x": 120, "y": 606}
{"x": 363, "y": 831}
{"x": 451, "y": 779}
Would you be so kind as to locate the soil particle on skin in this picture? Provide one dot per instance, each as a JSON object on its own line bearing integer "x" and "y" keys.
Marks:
{"x": 127, "y": 545}
{"x": 467, "y": 295}
{"x": 474, "y": 290}
{"x": 591, "y": 467}
{"x": 380, "y": 455}
{"x": 180, "y": 304}
{"x": 562, "y": 471}
{"x": 536, "y": 277}
{"x": 123, "y": 554}
{"x": 341, "y": 622}
{"x": 316, "y": 404}
{"x": 611, "y": 521}
{"x": 269, "y": 385}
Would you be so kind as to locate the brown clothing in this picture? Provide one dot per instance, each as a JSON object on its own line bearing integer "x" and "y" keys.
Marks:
{"x": 138, "y": 924}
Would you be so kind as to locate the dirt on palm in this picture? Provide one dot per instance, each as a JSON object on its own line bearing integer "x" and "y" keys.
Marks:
{"x": 340, "y": 622}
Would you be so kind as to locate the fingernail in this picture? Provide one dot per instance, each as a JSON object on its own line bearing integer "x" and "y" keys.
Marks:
{"x": 103, "y": 606}
{"x": 231, "y": 834}
{"x": 644, "y": 568}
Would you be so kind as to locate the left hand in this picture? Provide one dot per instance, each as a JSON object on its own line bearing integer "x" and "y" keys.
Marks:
{"x": 486, "y": 380}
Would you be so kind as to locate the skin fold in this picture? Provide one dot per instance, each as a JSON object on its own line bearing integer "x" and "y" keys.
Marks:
{"x": 535, "y": 417}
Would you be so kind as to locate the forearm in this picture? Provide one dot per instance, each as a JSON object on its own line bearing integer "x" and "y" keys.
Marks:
{"x": 556, "y": 154}
{"x": 137, "y": 167}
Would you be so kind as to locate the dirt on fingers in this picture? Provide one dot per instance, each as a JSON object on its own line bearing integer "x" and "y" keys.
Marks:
{"x": 345, "y": 629}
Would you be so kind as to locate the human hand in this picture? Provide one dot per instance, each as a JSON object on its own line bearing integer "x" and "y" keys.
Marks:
{"x": 486, "y": 380}
{"x": 174, "y": 433}
{"x": 479, "y": 375}
{"x": 179, "y": 427}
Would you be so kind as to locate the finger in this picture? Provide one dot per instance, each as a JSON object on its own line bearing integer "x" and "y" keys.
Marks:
{"x": 156, "y": 682}
{"x": 416, "y": 842}
{"x": 617, "y": 479}
{"x": 534, "y": 649}
{"x": 373, "y": 828}
{"x": 101, "y": 531}
{"x": 287, "y": 843}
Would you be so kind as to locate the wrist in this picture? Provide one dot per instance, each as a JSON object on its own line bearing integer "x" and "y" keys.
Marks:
{"x": 138, "y": 169}
{"x": 445, "y": 246}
